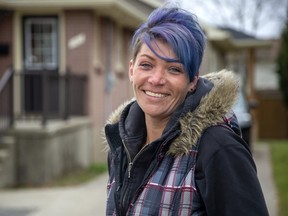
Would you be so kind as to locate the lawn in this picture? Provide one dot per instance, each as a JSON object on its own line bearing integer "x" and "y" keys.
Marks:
{"x": 279, "y": 155}
{"x": 79, "y": 177}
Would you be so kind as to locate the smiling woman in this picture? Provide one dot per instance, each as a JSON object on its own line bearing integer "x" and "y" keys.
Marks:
{"x": 175, "y": 149}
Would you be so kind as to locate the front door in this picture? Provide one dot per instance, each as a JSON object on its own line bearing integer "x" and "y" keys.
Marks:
{"x": 40, "y": 54}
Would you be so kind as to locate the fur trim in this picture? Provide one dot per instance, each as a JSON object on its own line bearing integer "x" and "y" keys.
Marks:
{"x": 115, "y": 116}
{"x": 210, "y": 111}
{"x": 112, "y": 119}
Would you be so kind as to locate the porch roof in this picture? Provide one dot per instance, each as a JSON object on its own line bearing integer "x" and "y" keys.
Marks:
{"x": 127, "y": 12}
{"x": 232, "y": 40}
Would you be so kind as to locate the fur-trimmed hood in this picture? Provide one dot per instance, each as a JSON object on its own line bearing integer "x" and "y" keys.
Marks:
{"x": 212, "y": 107}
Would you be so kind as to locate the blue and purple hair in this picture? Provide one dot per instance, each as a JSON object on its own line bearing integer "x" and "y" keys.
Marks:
{"x": 180, "y": 29}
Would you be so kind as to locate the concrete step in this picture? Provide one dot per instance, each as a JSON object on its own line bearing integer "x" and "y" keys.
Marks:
{"x": 5, "y": 149}
{"x": 6, "y": 140}
{"x": 4, "y": 154}
{"x": 7, "y": 161}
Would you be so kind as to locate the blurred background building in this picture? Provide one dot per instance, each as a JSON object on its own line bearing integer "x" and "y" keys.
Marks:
{"x": 63, "y": 70}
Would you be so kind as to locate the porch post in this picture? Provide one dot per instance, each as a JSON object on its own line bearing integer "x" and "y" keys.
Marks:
{"x": 251, "y": 91}
{"x": 45, "y": 98}
{"x": 11, "y": 98}
{"x": 250, "y": 73}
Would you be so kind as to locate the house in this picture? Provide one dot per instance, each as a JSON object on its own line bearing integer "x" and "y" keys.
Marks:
{"x": 272, "y": 114}
{"x": 68, "y": 61}
{"x": 254, "y": 61}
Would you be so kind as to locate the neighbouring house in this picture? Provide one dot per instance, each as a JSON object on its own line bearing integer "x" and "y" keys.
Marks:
{"x": 272, "y": 114}
{"x": 65, "y": 64}
{"x": 255, "y": 62}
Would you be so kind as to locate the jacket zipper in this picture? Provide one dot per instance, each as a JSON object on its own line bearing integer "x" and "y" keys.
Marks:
{"x": 129, "y": 169}
{"x": 131, "y": 162}
{"x": 130, "y": 165}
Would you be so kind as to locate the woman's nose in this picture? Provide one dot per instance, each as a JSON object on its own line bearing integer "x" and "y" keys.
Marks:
{"x": 157, "y": 77}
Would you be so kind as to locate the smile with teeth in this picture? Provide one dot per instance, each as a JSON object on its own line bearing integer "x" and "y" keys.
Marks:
{"x": 154, "y": 94}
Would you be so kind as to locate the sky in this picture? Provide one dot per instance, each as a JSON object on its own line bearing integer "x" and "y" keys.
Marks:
{"x": 271, "y": 29}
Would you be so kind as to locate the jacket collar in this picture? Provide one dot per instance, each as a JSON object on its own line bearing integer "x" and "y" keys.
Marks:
{"x": 206, "y": 107}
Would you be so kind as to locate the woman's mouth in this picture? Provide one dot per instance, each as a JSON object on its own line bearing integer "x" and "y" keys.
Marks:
{"x": 154, "y": 94}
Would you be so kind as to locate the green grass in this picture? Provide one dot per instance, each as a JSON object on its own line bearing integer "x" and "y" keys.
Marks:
{"x": 279, "y": 155}
{"x": 80, "y": 176}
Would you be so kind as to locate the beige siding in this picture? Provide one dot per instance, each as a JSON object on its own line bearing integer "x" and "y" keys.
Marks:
{"x": 6, "y": 37}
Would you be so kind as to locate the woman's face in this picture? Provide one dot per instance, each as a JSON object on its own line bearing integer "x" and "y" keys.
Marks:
{"x": 159, "y": 86}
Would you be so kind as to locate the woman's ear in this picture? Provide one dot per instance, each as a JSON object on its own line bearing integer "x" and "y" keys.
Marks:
{"x": 131, "y": 66}
{"x": 193, "y": 83}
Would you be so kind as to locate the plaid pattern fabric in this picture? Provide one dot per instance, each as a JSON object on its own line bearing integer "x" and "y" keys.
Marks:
{"x": 110, "y": 210}
{"x": 231, "y": 120}
{"x": 170, "y": 191}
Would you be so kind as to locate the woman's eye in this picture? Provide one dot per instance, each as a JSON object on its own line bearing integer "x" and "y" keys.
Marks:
{"x": 145, "y": 66}
{"x": 175, "y": 70}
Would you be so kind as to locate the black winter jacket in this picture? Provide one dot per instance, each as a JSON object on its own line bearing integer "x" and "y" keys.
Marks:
{"x": 199, "y": 166}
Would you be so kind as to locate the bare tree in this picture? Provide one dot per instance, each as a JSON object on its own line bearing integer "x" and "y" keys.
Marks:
{"x": 246, "y": 15}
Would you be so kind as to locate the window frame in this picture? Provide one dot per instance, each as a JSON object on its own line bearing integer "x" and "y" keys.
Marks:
{"x": 52, "y": 39}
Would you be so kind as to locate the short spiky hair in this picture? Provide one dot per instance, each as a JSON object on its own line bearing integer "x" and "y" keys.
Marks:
{"x": 180, "y": 29}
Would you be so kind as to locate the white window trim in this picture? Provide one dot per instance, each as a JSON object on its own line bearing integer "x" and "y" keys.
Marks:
{"x": 27, "y": 48}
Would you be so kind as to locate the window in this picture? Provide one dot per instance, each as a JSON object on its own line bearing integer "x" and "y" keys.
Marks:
{"x": 40, "y": 43}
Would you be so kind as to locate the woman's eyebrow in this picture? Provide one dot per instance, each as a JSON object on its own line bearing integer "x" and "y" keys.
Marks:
{"x": 147, "y": 56}
{"x": 153, "y": 59}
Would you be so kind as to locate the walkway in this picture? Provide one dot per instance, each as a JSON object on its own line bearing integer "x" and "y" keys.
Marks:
{"x": 84, "y": 200}
{"x": 262, "y": 159}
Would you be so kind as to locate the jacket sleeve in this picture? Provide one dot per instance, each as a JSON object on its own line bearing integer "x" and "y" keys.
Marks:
{"x": 226, "y": 175}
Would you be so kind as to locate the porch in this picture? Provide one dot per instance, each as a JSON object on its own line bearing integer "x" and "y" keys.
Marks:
{"x": 44, "y": 128}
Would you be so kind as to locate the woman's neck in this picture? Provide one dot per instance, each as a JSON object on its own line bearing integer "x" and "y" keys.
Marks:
{"x": 154, "y": 128}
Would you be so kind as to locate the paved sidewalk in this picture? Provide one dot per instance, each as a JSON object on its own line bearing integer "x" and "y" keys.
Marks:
{"x": 85, "y": 200}
{"x": 262, "y": 159}
{"x": 89, "y": 199}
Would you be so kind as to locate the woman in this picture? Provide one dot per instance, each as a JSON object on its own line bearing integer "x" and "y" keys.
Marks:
{"x": 176, "y": 150}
